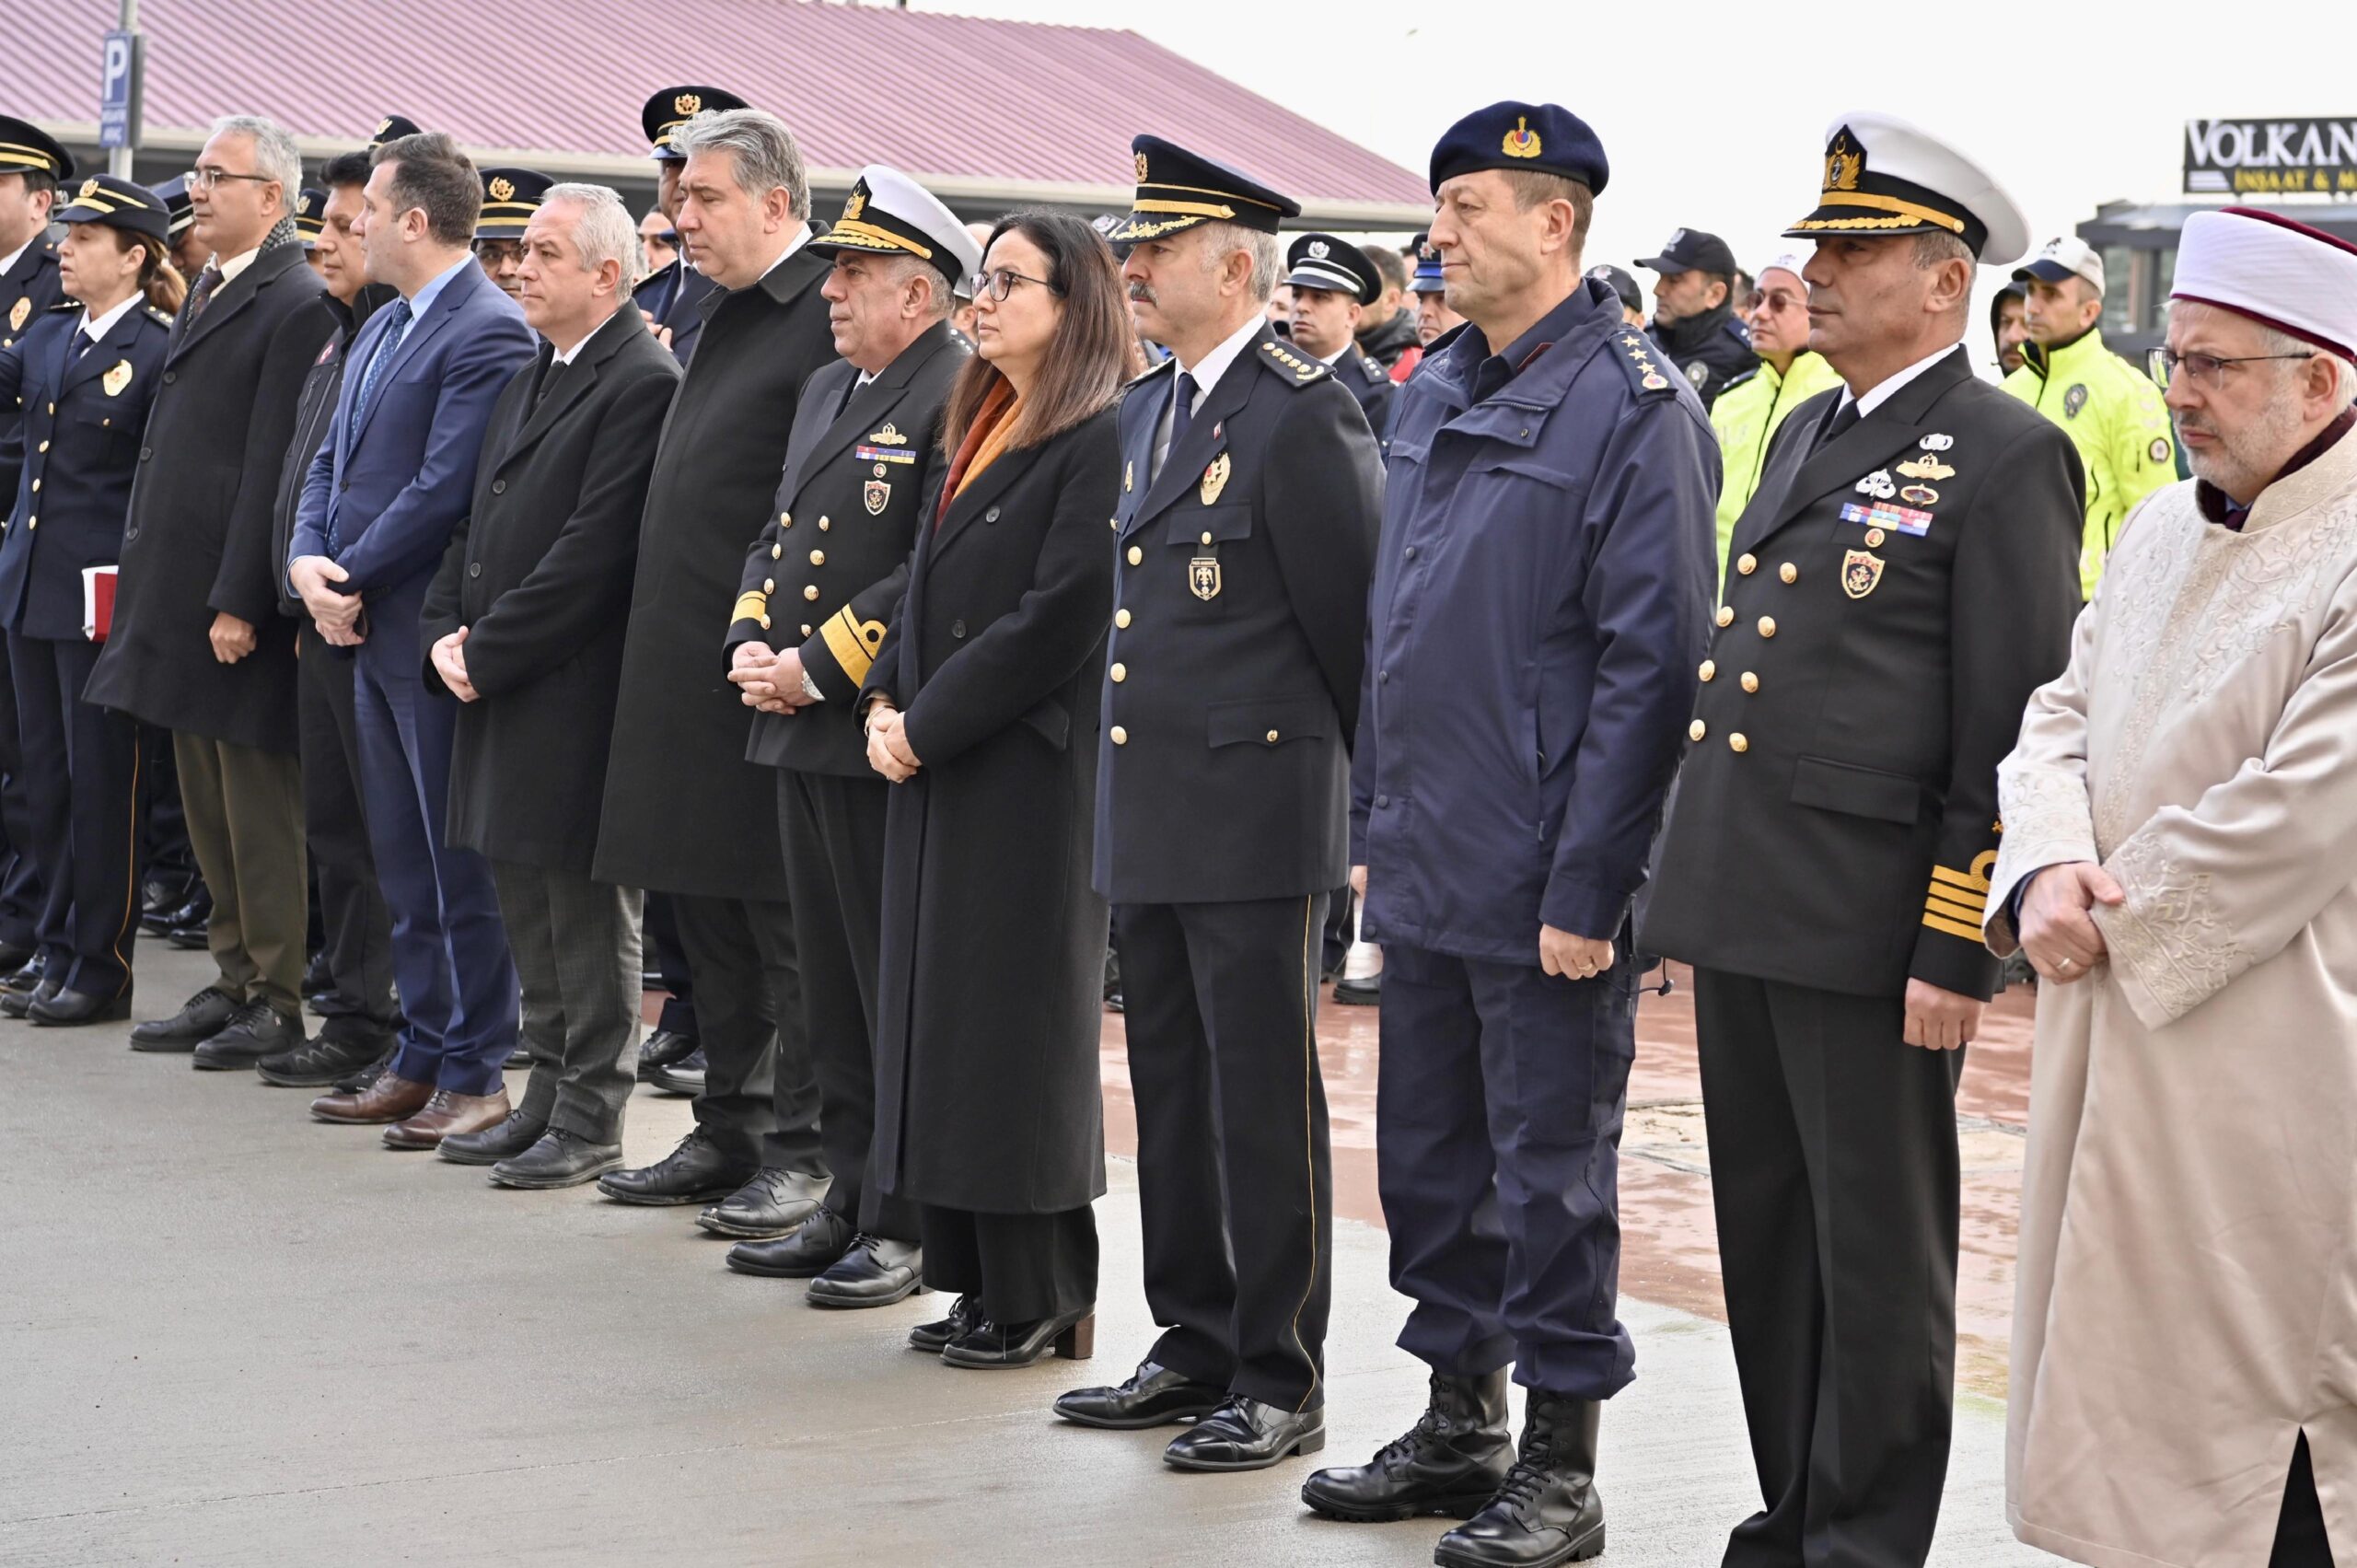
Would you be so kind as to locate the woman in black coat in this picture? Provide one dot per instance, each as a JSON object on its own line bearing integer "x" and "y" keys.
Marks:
{"x": 982, "y": 707}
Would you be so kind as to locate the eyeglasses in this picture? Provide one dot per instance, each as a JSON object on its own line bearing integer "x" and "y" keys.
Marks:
{"x": 205, "y": 178}
{"x": 1000, "y": 281}
{"x": 2206, "y": 371}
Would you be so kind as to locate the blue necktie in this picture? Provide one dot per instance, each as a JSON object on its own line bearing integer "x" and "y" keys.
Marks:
{"x": 396, "y": 322}
{"x": 1182, "y": 412}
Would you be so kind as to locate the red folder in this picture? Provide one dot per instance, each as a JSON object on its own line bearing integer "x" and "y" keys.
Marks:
{"x": 97, "y": 602}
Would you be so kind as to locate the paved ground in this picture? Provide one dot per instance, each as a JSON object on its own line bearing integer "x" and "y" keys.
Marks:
{"x": 236, "y": 1337}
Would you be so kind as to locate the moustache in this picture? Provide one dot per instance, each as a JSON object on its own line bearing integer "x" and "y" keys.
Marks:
{"x": 1143, "y": 293}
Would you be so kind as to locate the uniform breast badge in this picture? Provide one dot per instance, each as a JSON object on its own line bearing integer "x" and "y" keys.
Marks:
{"x": 1203, "y": 578}
{"x": 1920, "y": 495}
{"x": 17, "y": 315}
{"x": 877, "y": 494}
{"x": 116, "y": 380}
{"x": 1926, "y": 468}
{"x": 1878, "y": 484}
{"x": 2074, "y": 399}
{"x": 1214, "y": 481}
{"x": 1936, "y": 442}
{"x": 1860, "y": 571}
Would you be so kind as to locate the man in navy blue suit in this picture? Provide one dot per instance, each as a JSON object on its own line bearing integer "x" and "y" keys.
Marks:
{"x": 388, "y": 486}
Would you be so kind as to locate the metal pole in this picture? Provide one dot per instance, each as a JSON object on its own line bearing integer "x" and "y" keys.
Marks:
{"x": 119, "y": 158}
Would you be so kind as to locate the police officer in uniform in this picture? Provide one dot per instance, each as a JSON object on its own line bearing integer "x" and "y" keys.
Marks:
{"x": 84, "y": 372}
{"x": 1333, "y": 283}
{"x": 187, "y": 256}
{"x": 1905, "y": 576}
{"x": 510, "y": 197}
{"x": 671, "y": 296}
{"x": 1247, "y": 521}
{"x": 1694, "y": 319}
{"x": 1539, "y": 599}
{"x": 819, "y": 587}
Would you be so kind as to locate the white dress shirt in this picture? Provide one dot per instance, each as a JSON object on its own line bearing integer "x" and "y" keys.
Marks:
{"x": 1889, "y": 387}
{"x": 97, "y": 331}
{"x": 1207, "y": 375}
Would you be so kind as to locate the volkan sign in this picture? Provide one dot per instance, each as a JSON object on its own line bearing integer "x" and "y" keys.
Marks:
{"x": 2267, "y": 158}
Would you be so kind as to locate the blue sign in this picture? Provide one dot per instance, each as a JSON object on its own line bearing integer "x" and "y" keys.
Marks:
{"x": 119, "y": 95}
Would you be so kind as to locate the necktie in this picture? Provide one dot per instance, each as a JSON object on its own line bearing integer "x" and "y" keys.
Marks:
{"x": 202, "y": 295}
{"x": 82, "y": 343}
{"x": 849, "y": 392}
{"x": 550, "y": 377}
{"x": 396, "y": 323}
{"x": 1182, "y": 413}
{"x": 1840, "y": 423}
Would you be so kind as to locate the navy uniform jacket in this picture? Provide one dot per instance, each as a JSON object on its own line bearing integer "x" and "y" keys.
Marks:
{"x": 831, "y": 563}
{"x": 82, "y": 422}
{"x": 1892, "y": 600}
{"x": 1541, "y": 598}
{"x": 28, "y": 290}
{"x": 671, "y": 296}
{"x": 1370, "y": 383}
{"x": 1239, "y": 636}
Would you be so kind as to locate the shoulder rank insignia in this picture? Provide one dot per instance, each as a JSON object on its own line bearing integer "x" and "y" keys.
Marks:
{"x": 161, "y": 317}
{"x": 1304, "y": 370}
{"x": 116, "y": 380}
{"x": 1648, "y": 373}
{"x": 16, "y": 314}
{"x": 1215, "y": 478}
{"x": 1860, "y": 571}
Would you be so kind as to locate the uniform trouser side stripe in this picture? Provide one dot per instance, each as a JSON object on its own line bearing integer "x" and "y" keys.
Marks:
{"x": 1308, "y": 1127}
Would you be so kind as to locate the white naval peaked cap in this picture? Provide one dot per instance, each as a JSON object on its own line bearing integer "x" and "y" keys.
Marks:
{"x": 2275, "y": 271}
{"x": 888, "y": 214}
{"x": 1884, "y": 176}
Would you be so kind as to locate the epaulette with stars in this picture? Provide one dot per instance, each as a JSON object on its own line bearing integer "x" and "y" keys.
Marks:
{"x": 1288, "y": 366}
{"x": 1636, "y": 358}
{"x": 1151, "y": 371}
{"x": 63, "y": 306}
{"x": 161, "y": 317}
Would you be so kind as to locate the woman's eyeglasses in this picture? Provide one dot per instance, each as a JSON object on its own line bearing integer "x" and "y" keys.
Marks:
{"x": 1000, "y": 281}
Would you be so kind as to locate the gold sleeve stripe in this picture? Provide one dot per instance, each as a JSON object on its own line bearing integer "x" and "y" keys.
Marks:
{"x": 1961, "y": 878}
{"x": 1957, "y": 895}
{"x": 1953, "y": 928}
{"x": 1954, "y": 911}
{"x": 751, "y": 607}
{"x": 852, "y": 642}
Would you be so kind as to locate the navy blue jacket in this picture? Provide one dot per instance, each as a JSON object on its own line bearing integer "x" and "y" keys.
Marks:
{"x": 401, "y": 475}
{"x": 82, "y": 423}
{"x": 672, "y": 296}
{"x": 1541, "y": 604}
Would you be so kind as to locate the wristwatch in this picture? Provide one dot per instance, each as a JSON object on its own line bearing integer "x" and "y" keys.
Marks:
{"x": 811, "y": 689}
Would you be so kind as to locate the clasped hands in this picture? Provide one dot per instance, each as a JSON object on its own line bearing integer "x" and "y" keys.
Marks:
{"x": 768, "y": 681}
{"x": 889, "y": 752}
{"x": 335, "y": 613}
{"x": 2058, "y": 928}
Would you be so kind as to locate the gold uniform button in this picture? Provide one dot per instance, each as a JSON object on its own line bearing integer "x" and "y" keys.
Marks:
{"x": 823, "y": 525}
{"x": 1207, "y": 539}
{"x": 1746, "y": 563}
{"x": 36, "y": 487}
{"x": 1767, "y": 625}
{"x": 32, "y": 522}
{"x": 1697, "y": 730}
{"x": 786, "y": 518}
{"x": 1113, "y": 523}
{"x": 776, "y": 551}
{"x": 810, "y": 592}
{"x": 1789, "y": 572}
{"x": 806, "y": 631}
{"x": 1726, "y": 615}
{"x": 1737, "y": 743}
{"x": 1272, "y": 737}
{"x": 769, "y": 585}
{"x": 1750, "y": 681}
{"x": 1122, "y": 619}
{"x": 1120, "y": 673}
{"x": 1709, "y": 668}
{"x": 45, "y": 445}
{"x": 1137, "y": 557}
{"x": 1120, "y": 736}
{"x": 765, "y": 623}
{"x": 818, "y": 558}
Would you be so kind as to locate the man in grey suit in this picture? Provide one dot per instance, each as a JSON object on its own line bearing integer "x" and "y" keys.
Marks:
{"x": 525, "y": 625}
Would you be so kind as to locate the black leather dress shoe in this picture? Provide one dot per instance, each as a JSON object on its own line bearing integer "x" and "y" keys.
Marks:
{"x": 695, "y": 1172}
{"x": 684, "y": 1077}
{"x": 810, "y": 1250}
{"x": 965, "y": 1317}
{"x": 323, "y": 1062}
{"x": 1246, "y": 1435}
{"x": 23, "y": 977}
{"x": 201, "y": 1017}
{"x": 662, "y": 1048}
{"x": 190, "y": 926}
{"x": 1368, "y": 993}
{"x": 1546, "y": 1512}
{"x": 561, "y": 1159}
{"x": 1153, "y": 1396}
{"x": 991, "y": 1347}
{"x": 64, "y": 1007}
{"x": 772, "y": 1203}
{"x": 877, "y": 1272}
{"x": 317, "y": 979}
{"x": 1450, "y": 1463}
{"x": 17, "y": 1003}
{"x": 257, "y": 1031}
{"x": 491, "y": 1146}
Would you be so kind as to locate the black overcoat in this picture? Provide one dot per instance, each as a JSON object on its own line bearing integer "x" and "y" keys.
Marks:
{"x": 199, "y": 537}
{"x": 540, "y": 574}
{"x": 685, "y": 812}
{"x": 989, "y": 1003}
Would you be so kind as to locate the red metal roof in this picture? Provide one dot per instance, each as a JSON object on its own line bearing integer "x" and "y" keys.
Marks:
{"x": 1022, "y": 102}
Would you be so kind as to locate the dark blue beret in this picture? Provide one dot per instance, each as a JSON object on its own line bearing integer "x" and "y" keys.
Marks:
{"x": 1543, "y": 136}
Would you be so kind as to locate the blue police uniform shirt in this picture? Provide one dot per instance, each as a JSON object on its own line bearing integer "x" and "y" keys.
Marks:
{"x": 1540, "y": 610}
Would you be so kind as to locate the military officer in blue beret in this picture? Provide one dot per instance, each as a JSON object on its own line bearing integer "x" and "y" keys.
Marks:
{"x": 671, "y": 296}
{"x": 1541, "y": 597}
{"x": 83, "y": 373}
{"x": 1246, "y": 522}
{"x": 510, "y": 197}
{"x": 1435, "y": 320}
{"x": 1333, "y": 282}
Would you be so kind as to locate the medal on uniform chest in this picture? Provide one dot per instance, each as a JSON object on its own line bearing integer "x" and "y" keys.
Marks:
{"x": 1926, "y": 466}
{"x": 1936, "y": 442}
{"x": 16, "y": 314}
{"x": 1860, "y": 571}
{"x": 878, "y": 496}
{"x": 1214, "y": 481}
{"x": 116, "y": 380}
{"x": 1918, "y": 496}
{"x": 1878, "y": 484}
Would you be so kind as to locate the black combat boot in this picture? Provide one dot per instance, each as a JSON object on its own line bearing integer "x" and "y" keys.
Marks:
{"x": 1451, "y": 1462}
{"x": 1546, "y": 1512}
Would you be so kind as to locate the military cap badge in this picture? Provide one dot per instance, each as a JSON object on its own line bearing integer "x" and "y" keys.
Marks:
{"x": 1140, "y": 167}
{"x": 502, "y": 188}
{"x": 686, "y": 103}
{"x": 384, "y": 124}
{"x": 90, "y": 189}
{"x": 1522, "y": 141}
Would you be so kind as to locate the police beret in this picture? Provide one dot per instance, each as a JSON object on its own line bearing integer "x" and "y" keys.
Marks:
{"x": 118, "y": 203}
{"x": 173, "y": 194}
{"x": 392, "y": 128}
{"x": 310, "y": 207}
{"x": 1322, "y": 260}
{"x": 510, "y": 197}
{"x": 674, "y": 107}
{"x": 1543, "y": 136}
{"x": 24, "y": 147}
{"x": 888, "y": 214}
{"x": 1884, "y": 177}
{"x": 1179, "y": 190}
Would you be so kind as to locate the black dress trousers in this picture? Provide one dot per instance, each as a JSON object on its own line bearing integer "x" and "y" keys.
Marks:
{"x": 20, "y": 898}
{"x": 1022, "y": 1268}
{"x": 355, "y": 927}
{"x": 86, "y": 794}
{"x": 1234, "y": 1178}
{"x": 759, "y": 1104}
{"x": 832, "y": 830}
{"x": 1833, "y": 1173}
{"x": 664, "y": 957}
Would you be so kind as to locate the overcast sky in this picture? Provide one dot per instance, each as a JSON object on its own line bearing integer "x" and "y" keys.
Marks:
{"x": 1713, "y": 115}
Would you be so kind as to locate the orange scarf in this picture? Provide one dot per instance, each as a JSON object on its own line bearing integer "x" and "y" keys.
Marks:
{"x": 994, "y": 421}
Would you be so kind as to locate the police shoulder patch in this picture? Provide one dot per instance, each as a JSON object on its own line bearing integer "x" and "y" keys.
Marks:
{"x": 1738, "y": 380}
{"x": 1294, "y": 369}
{"x": 1151, "y": 371}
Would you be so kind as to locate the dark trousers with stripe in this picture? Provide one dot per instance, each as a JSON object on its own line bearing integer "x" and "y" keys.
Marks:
{"x": 85, "y": 791}
{"x": 20, "y": 898}
{"x": 1234, "y": 1175}
{"x": 1833, "y": 1173}
{"x": 1497, "y": 1154}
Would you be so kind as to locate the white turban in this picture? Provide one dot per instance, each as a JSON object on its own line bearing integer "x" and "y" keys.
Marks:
{"x": 2278, "y": 272}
